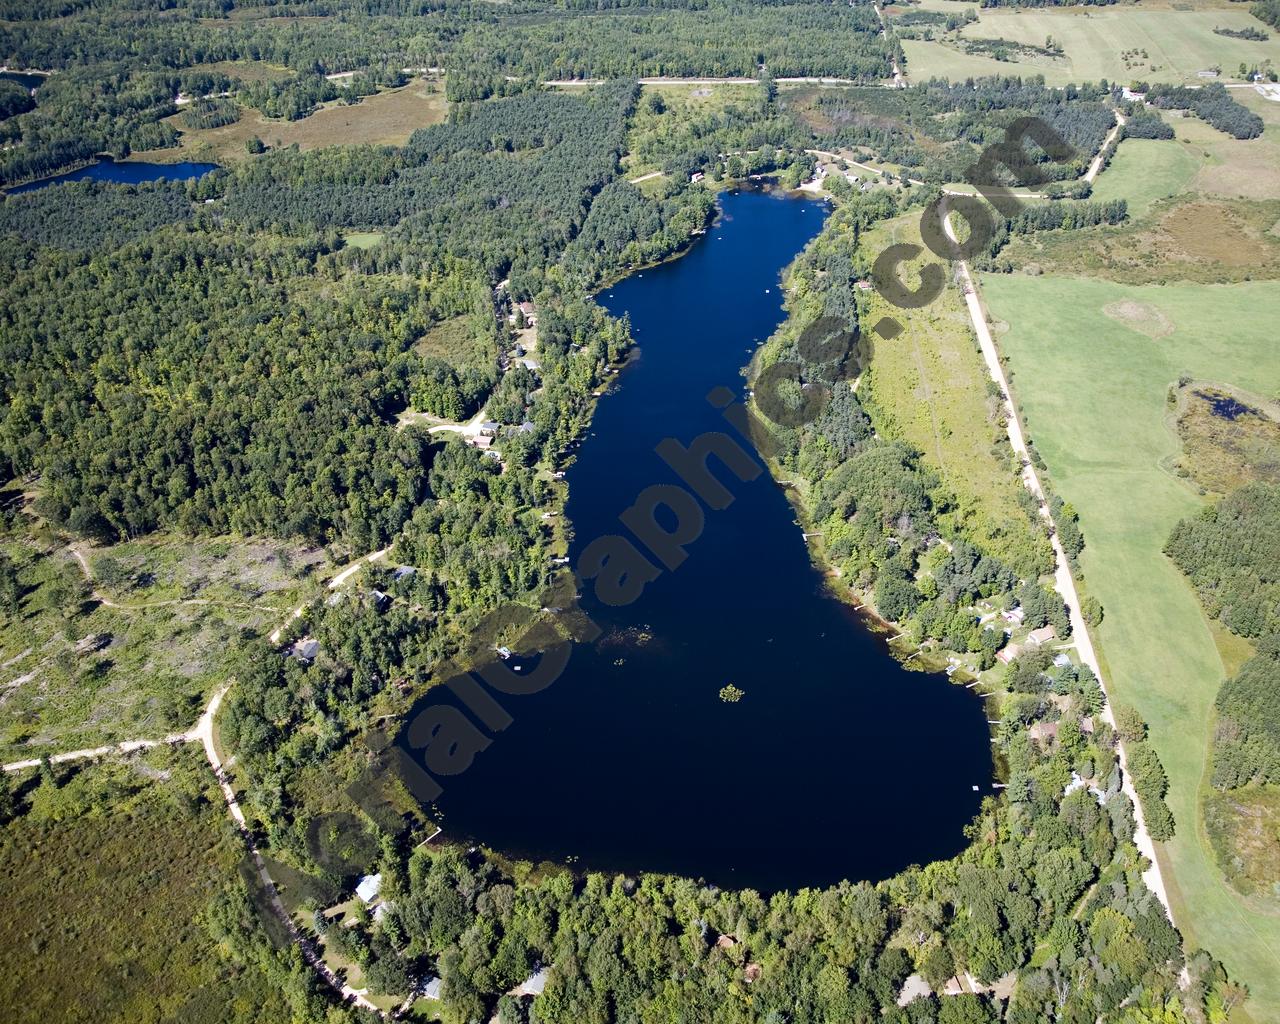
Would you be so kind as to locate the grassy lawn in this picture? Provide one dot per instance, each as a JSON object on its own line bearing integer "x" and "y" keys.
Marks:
{"x": 363, "y": 239}
{"x": 929, "y": 386}
{"x": 106, "y": 879}
{"x": 1144, "y": 170}
{"x": 1093, "y": 390}
{"x": 1101, "y": 42}
{"x": 388, "y": 118}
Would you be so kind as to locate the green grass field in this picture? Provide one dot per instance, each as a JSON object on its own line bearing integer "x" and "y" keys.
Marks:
{"x": 1177, "y": 43}
{"x": 1144, "y": 170}
{"x": 929, "y": 386}
{"x": 1093, "y": 393}
{"x": 107, "y": 878}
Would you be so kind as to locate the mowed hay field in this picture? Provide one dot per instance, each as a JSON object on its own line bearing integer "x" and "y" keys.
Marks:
{"x": 388, "y": 118}
{"x": 1092, "y": 362}
{"x": 1177, "y": 42}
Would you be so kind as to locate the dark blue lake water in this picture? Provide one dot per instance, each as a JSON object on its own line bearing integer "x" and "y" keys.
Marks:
{"x": 23, "y": 78}
{"x": 836, "y": 763}
{"x": 128, "y": 172}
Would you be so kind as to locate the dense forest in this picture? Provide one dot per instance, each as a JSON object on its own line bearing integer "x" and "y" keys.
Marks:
{"x": 1268, "y": 11}
{"x": 103, "y": 99}
{"x": 1211, "y": 103}
{"x": 1231, "y": 553}
{"x": 192, "y": 380}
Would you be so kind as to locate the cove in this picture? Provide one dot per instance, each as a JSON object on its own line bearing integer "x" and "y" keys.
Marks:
{"x": 837, "y": 763}
{"x": 127, "y": 172}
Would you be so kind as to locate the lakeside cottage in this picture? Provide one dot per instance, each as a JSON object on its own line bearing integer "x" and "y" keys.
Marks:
{"x": 368, "y": 887}
{"x": 1008, "y": 654}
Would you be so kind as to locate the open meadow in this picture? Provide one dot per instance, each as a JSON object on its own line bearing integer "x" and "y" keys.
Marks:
{"x": 110, "y": 874}
{"x": 134, "y": 652}
{"x": 387, "y": 118}
{"x": 1121, "y": 43}
{"x": 927, "y": 386}
{"x": 1092, "y": 364}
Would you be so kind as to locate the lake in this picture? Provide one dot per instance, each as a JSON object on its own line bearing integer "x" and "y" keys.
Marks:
{"x": 836, "y": 763}
{"x": 126, "y": 172}
{"x": 25, "y": 79}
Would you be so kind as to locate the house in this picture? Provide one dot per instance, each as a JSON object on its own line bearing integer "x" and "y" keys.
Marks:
{"x": 1207, "y": 73}
{"x": 531, "y": 364}
{"x": 1131, "y": 96}
{"x": 1086, "y": 724}
{"x": 430, "y": 988}
{"x": 481, "y": 441}
{"x": 380, "y": 600}
{"x": 1014, "y": 615}
{"x": 1042, "y": 635}
{"x": 696, "y": 177}
{"x": 751, "y": 972}
{"x": 529, "y": 311}
{"x": 863, "y": 286}
{"x": 1044, "y": 732}
{"x": 915, "y": 987}
{"x": 1008, "y": 654}
{"x": 490, "y": 428}
{"x": 726, "y": 942}
{"x": 306, "y": 649}
{"x": 1062, "y": 660}
{"x": 368, "y": 887}
{"x": 403, "y": 571}
{"x": 526, "y": 427}
{"x": 532, "y": 985}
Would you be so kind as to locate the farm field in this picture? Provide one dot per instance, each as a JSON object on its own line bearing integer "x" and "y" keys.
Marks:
{"x": 388, "y": 118}
{"x": 1203, "y": 207}
{"x": 1177, "y": 43}
{"x": 1106, "y": 440}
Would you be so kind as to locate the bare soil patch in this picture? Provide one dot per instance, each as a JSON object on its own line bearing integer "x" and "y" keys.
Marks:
{"x": 1141, "y": 317}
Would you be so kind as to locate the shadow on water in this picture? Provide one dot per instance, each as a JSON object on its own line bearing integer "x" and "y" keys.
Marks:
{"x": 836, "y": 763}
